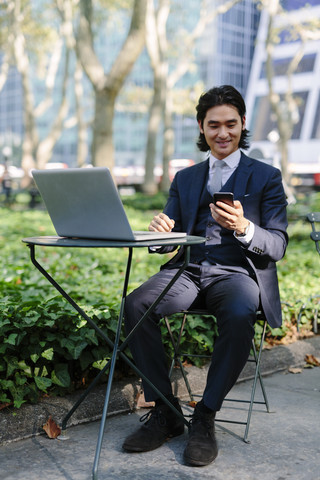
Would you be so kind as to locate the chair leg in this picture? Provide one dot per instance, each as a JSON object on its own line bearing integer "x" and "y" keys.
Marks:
{"x": 177, "y": 355}
{"x": 257, "y": 375}
{"x": 257, "y": 359}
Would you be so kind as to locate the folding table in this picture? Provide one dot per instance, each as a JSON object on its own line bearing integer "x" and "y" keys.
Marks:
{"x": 117, "y": 347}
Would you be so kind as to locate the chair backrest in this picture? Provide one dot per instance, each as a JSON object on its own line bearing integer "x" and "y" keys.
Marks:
{"x": 313, "y": 218}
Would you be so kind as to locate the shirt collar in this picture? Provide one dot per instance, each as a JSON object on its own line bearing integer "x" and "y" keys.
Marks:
{"x": 231, "y": 160}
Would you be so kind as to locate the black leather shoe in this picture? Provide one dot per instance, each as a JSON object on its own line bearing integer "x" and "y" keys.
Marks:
{"x": 202, "y": 447}
{"x": 161, "y": 423}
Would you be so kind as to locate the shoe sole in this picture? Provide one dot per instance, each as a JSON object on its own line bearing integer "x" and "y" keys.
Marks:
{"x": 134, "y": 449}
{"x": 196, "y": 463}
{"x": 193, "y": 462}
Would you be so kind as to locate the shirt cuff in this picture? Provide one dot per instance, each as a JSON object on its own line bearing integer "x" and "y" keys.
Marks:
{"x": 248, "y": 237}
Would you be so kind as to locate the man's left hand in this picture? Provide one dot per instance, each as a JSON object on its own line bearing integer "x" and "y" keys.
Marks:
{"x": 229, "y": 217}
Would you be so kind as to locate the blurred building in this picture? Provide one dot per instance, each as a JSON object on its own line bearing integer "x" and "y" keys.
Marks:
{"x": 11, "y": 118}
{"x": 224, "y": 56}
{"x": 304, "y": 147}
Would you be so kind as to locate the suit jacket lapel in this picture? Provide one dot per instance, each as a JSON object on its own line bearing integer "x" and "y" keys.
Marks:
{"x": 243, "y": 174}
{"x": 195, "y": 192}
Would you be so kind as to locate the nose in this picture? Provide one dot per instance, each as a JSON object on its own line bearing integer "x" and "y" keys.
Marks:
{"x": 223, "y": 132}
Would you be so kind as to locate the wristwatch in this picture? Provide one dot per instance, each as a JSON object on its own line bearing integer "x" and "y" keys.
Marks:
{"x": 245, "y": 231}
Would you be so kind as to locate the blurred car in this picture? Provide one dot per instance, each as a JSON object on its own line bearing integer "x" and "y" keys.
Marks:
{"x": 52, "y": 165}
{"x": 129, "y": 175}
{"x": 16, "y": 174}
{"x": 178, "y": 164}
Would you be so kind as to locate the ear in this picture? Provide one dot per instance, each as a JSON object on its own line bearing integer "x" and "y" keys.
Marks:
{"x": 243, "y": 122}
{"x": 200, "y": 126}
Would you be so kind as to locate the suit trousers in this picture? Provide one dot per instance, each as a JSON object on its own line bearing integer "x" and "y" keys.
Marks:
{"x": 232, "y": 297}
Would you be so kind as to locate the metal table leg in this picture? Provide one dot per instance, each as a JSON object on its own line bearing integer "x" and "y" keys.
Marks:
{"x": 116, "y": 349}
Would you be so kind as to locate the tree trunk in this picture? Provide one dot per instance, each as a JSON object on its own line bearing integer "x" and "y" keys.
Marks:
{"x": 156, "y": 45}
{"x": 34, "y": 154}
{"x": 280, "y": 108}
{"x": 4, "y": 69}
{"x": 102, "y": 143}
{"x": 168, "y": 146}
{"x": 107, "y": 86}
{"x": 46, "y": 146}
{"x": 154, "y": 124}
{"x": 30, "y": 139}
{"x": 82, "y": 143}
{"x": 180, "y": 69}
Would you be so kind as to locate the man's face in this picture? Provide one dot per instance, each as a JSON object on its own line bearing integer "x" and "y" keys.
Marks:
{"x": 222, "y": 128}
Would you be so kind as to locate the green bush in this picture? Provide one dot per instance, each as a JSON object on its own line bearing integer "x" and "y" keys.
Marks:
{"x": 45, "y": 346}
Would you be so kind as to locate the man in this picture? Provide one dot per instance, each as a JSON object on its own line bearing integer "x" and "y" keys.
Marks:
{"x": 233, "y": 273}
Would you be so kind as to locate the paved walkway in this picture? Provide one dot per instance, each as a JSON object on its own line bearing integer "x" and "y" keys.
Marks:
{"x": 284, "y": 444}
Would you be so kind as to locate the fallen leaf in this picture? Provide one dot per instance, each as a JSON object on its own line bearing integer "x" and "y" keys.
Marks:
{"x": 192, "y": 404}
{"x": 312, "y": 360}
{"x": 186, "y": 364}
{"x": 51, "y": 428}
{"x": 295, "y": 370}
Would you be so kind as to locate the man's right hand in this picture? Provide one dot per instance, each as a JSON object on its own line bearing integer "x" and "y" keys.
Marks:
{"x": 161, "y": 223}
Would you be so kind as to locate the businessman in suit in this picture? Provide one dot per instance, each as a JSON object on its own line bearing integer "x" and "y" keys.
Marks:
{"x": 233, "y": 273}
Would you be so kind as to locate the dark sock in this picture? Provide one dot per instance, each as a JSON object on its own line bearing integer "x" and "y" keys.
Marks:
{"x": 169, "y": 397}
{"x": 203, "y": 408}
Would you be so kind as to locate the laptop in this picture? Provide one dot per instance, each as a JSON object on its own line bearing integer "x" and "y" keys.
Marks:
{"x": 85, "y": 203}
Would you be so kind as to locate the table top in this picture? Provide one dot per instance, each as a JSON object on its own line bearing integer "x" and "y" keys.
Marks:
{"x": 55, "y": 241}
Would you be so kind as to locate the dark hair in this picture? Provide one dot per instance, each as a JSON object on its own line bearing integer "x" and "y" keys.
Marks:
{"x": 224, "y": 95}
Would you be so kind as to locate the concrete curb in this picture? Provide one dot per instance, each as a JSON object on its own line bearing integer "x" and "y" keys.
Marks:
{"x": 29, "y": 419}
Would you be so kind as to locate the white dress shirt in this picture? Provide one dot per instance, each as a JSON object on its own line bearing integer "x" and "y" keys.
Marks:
{"x": 232, "y": 161}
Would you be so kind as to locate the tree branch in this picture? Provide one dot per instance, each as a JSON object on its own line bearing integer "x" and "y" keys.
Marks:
{"x": 131, "y": 49}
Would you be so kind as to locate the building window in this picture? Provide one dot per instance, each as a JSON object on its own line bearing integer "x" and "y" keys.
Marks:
{"x": 281, "y": 65}
{"x": 263, "y": 119}
{"x": 316, "y": 124}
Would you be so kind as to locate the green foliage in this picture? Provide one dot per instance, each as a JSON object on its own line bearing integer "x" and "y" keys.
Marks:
{"x": 43, "y": 343}
{"x": 144, "y": 202}
{"x": 197, "y": 339}
{"x": 45, "y": 346}
{"x": 298, "y": 271}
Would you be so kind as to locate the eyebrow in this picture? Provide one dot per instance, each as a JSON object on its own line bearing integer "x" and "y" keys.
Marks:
{"x": 215, "y": 122}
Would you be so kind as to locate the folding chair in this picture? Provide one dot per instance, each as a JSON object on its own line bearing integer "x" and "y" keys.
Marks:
{"x": 255, "y": 358}
{"x": 313, "y": 218}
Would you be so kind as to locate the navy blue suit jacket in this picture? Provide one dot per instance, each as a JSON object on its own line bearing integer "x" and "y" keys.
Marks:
{"x": 259, "y": 188}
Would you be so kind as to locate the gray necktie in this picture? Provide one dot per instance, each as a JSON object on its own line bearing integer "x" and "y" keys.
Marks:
{"x": 216, "y": 179}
